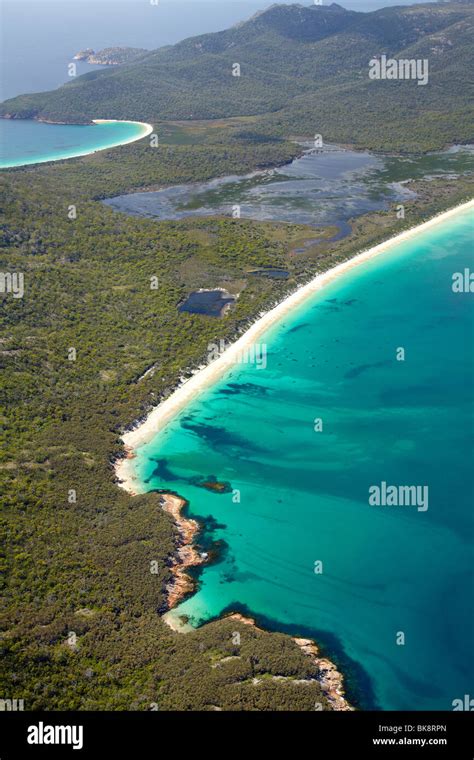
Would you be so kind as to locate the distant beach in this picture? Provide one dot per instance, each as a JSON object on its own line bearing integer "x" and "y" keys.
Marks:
{"x": 147, "y": 128}
{"x": 161, "y": 415}
{"x": 29, "y": 142}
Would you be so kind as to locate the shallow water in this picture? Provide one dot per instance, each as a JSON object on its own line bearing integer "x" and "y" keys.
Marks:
{"x": 323, "y": 187}
{"x": 30, "y": 142}
{"x": 320, "y": 188}
{"x": 210, "y": 302}
{"x": 301, "y": 496}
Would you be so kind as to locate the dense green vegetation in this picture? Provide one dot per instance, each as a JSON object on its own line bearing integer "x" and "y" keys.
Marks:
{"x": 80, "y": 610}
{"x": 83, "y": 567}
{"x": 217, "y": 150}
{"x": 303, "y": 70}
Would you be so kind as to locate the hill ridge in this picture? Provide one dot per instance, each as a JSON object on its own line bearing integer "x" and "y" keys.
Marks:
{"x": 286, "y": 53}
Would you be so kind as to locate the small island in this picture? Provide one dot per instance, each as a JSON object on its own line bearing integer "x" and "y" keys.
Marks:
{"x": 112, "y": 56}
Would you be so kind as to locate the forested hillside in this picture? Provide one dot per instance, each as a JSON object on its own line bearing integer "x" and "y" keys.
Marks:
{"x": 80, "y": 610}
{"x": 303, "y": 69}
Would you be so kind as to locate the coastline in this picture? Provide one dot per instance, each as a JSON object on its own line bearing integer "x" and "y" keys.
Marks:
{"x": 147, "y": 129}
{"x": 186, "y": 554}
{"x": 330, "y": 678}
{"x": 181, "y": 584}
{"x": 162, "y": 414}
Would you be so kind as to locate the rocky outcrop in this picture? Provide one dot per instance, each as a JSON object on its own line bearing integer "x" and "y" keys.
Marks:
{"x": 113, "y": 56}
{"x": 329, "y": 678}
{"x": 181, "y": 584}
{"x": 186, "y": 556}
{"x": 83, "y": 55}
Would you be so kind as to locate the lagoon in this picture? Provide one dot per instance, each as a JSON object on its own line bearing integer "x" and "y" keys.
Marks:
{"x": 322, "y": 188}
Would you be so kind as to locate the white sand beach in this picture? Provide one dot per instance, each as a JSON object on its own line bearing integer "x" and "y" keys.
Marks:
{"x": 192, "y": 387}
{"x": 147, "y": 129}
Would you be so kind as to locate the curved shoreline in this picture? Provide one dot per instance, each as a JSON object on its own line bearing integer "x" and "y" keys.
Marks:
{"x": 330, "y": 678}
{"x": 186, "y": 555}
{"x": 147, "y": 129}
{"x": 181, "y": 584}
{"x": 207, "y": 375}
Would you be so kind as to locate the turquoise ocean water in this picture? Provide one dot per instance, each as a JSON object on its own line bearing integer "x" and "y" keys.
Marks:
{"x": 32, "y": 142}
{"x": 304, "y": 494}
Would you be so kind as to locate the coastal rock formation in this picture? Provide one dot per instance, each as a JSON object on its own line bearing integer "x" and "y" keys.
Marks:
{"x": 216, "y": 486}
{"x": 112, "y": 56}
{"x": 330, "y": 679}
{"x": 83, "y": 55}
{"x": 186, "y": 555}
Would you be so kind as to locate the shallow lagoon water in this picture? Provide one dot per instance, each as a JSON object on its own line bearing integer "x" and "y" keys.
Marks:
{"x": 323, "y": 187}
{"x": 303, "y": 495}
{"x": 320, "y": 188}
{"x": 25, "y": 142}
